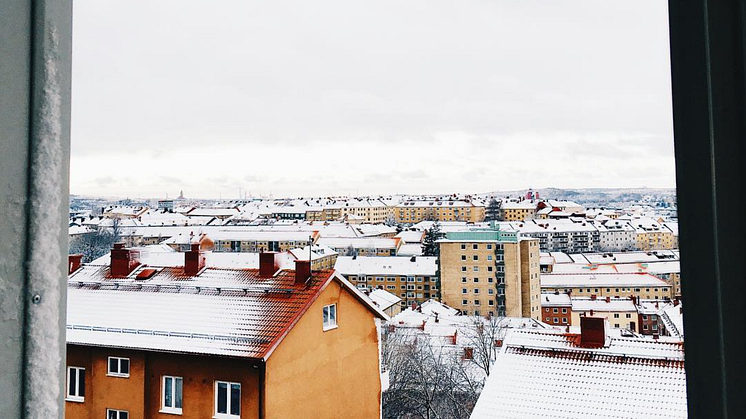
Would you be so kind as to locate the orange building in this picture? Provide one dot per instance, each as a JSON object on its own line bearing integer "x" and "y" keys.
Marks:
{"x": 154, "y": 342}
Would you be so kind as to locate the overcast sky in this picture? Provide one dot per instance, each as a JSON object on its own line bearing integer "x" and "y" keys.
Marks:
{"x": 368, "y": 97}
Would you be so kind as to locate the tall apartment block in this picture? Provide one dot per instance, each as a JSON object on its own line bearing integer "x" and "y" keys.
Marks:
{"x": 491, "y": 272}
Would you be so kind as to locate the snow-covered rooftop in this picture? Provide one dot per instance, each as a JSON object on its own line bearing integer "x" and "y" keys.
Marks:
{"x": 544, "y": 374}
{"x": 387, "y": 265}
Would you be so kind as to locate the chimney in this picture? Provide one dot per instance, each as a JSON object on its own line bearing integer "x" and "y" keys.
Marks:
{"x": 73, "y": 263}
{"x": 302, "y": 271}
{"x": 592, "y": 332}
{"x": 593, "y": 297}
{"x": 608, "y": 300}
{"x": 194, "y": 260}
{"x": 268, "y": 264}
{"x": 123, "y": 261}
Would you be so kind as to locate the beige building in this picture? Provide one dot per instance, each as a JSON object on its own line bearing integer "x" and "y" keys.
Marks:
{"x": 652, "y": 235}
{"x": 518, "y": 211}
{"x": 620, "y": 312}
{"x": 616, "y": 285}
{"x": 413, "y": 279}
{"x": 483, "y": 273}
{"x": 414, "y": 211}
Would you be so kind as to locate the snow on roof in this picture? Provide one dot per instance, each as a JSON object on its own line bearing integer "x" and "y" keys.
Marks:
{"x": 600, "y": 304}
{"x": 318, "y": 252}
{"x": 164, "y": 256}
{"x": 230, "y": 312}
{"x": 542, "y": 374}
{"x": 561, "y": 257}
{"x": 554, "y": 226}
{"x": 600, "y": 280}
{"x": 359, "y": 242}
{"x": 383, "y": 298}
{"x": 551, "y": 300}
{"x": 212, "y": 212}
{"x": 240, "y": 235}
{"x": 627, "y": 257}
{"x": 586, "y": 268}
{"x": 410, "y": 249}
{"x": 522, "y": 205}
{"x": 411, "y": 236}
{"x": 387, "y": 265}
{"x": 673, "y": 318}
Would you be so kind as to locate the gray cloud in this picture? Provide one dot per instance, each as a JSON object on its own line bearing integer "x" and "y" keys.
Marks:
{"x": 369, "y": 89}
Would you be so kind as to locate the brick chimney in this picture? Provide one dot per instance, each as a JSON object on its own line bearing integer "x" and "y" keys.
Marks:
{"x": 194, "y": 260}
{"x": 268, "y": 264}
{"x": 608, "y": 300}
{"x": 592, "y": 332}
{"x": 73, "y": 263}
{"x": 302, "y": 271}
{"x": 593, "y": 297}
{"x": 123, "y": 261}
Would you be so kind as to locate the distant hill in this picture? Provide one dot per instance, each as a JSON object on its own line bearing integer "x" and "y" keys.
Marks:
{"x": 599, "y": 197}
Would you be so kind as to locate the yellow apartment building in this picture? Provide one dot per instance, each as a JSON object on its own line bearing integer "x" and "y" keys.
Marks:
{"x": 482, "y": 273}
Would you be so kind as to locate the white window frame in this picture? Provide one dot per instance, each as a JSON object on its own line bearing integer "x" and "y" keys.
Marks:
{"x": 118, "y": 413}
{"x": 171, "y": 409}
{"x": 331, "y": 323}
{"x": 77, "y": 397}
{"x": 119, "y": 367}
{"x": 228, "y": 401}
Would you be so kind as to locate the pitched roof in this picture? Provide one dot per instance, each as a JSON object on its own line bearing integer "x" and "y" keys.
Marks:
{"x": 229, "y": 312}
{"x": 543, "y": 374}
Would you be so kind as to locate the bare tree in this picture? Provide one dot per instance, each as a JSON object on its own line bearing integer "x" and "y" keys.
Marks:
{"x": 427, "y": 380}
{"x": 96, "y": 243}
{"x": 483, "y": 337}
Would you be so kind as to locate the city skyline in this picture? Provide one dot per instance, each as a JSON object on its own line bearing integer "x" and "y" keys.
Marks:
{"x": 348, "y": 98}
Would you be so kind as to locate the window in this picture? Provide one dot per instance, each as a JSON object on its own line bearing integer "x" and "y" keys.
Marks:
{"x": 117, "y": 414}
{"x": 330, "y": 316}
{"x": 475, "y": 246}
{"x": 489, "y": 247}
{"x": 555, "y": 320}
{"x": 75, "y": 384}
{"x": 463, "y": 269}
{"x": 464, "y": 302}
{"x": 463, "y": 247}
{"x": 463, "y": 257}
{"x": 616, "y": 315}
{"x": 564, "y": 311}
{"x": 228, "y": 398}
{"x": 555, "y": 311}
{"x": 476, "y": 257}
{"x": 171, "y": 394}
{"x": 628, "y": 315}
{"x": 564, "y": 320}
{"x": 463, "y": 279}
{"x": 476, "y": 279}
{"x": 476, "y": 268}
{"x": 119, "y": 367}
{"x": 476, "y": 290}
{"x": 464, "y": 291}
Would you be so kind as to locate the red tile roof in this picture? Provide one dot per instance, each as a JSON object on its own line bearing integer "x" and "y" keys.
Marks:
{"x": 220, "y": 311}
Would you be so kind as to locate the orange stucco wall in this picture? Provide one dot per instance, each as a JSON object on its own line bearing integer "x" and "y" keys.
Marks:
{"x": 332, "y": 374}
{"x": 140, "y": 394}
